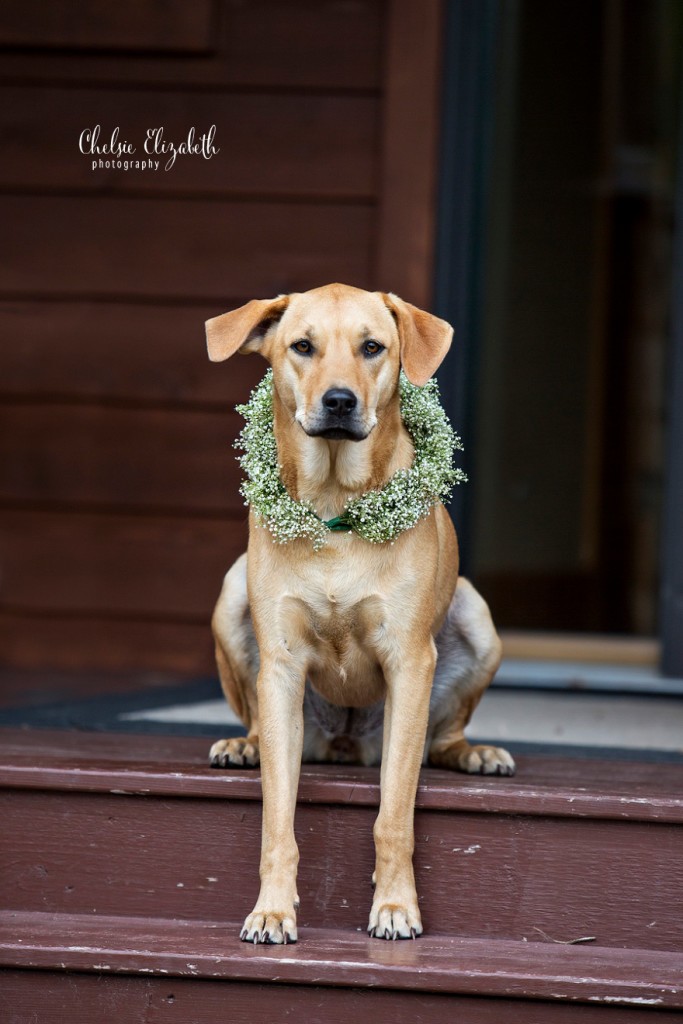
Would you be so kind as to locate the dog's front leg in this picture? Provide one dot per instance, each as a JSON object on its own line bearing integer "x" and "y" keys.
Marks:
{"x": 395, "y": 913}
{"x": 280, "y": 697}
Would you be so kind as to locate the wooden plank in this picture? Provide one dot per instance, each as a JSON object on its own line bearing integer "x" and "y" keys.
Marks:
{"x": 121, "y": 352}
{"x": 97, "y": 24}
{"x": 99, "y": 644}
{"x": 546, "y": 785}
{"x": 433, "y": 964}
{"x": 321, "y": 45}
{"x": 317, "y": 145}
{"x": 609, "y": 650}
{"x": 530, "y": 894}
{"x": 409, "y": 156}
{"x": 132, "y": 458}
{"x": 54, "y": 997}
{"x": 115, "y": 565}
{"x": 101, "y": 248}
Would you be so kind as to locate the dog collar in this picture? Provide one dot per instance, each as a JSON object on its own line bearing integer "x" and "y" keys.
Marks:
{"x": 378, "y": 516}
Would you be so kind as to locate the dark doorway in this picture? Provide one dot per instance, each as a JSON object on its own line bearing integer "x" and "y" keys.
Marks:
{"x": 565, "y": 410}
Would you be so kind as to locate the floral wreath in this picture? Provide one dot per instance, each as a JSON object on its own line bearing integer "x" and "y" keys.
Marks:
{"x": 378, "y": 516}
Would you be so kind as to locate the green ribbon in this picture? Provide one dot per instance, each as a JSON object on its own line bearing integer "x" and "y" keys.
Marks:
{"x": 338, "y": 525}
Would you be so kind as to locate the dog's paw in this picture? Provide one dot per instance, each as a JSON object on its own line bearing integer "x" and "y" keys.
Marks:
{"x": 485, "y": 760}
{"x": 394, "y": 921}
{"x": 275, "y": 927}
{"x": 239, "y": 752}
{"x": 478, "y": 760}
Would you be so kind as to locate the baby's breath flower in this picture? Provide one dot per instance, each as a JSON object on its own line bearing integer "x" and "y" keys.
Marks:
{"x": 376, "y": 516}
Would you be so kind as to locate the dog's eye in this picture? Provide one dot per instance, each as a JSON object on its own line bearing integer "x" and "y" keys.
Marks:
{"x": 372, "y": 348}
{"x": 303, "y": 346}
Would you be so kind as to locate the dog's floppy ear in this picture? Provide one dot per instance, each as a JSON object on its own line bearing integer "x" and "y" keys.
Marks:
{"x": 424, "y": 338}
{"x": 244, "y": 329}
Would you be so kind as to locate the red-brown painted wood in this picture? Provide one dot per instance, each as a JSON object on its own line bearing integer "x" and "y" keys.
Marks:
{"x": 109, "y": 277}
{"x": 496, "y": 877}
{"x": 319, "y": 145}
{"x": 550, "y": 785}
{"x": 94, "y": 456}
{"x": 409, "y": 158}
{"x": 119, "y": 353}
{"x": 98, "y": 831}
{"x": 325, "y": 45}
{"x": 194, "y": 949}
{"x": 101, "y": 643}
{"x": 157, "y": 250}
{"x": 117, "y": 565}
{"x": 126, "y": 25}
{"x": 45, "y": 997}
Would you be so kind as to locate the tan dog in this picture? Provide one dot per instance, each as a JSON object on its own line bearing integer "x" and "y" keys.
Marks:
{"x": 356, "y": 651}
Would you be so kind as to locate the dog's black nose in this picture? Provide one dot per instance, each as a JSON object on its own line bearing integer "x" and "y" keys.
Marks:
{"x": 339, "y": 401}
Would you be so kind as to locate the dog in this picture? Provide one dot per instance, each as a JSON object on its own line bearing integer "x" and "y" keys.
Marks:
{"x": 356, "y": 651}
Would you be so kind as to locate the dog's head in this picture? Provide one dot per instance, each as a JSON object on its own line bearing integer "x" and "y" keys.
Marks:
{"x": 335, "y": 352}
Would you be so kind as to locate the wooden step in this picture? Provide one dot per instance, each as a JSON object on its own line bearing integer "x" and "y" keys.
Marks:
{"x": 440, "y": 974}
{"x": 127, "y": 866}
{"x": 140, "y": 825}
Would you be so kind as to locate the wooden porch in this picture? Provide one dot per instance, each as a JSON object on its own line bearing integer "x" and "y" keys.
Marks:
{"x": 549, "y": 896}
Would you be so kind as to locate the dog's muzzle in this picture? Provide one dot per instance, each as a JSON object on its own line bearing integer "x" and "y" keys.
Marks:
{"x": 338, "y": 417}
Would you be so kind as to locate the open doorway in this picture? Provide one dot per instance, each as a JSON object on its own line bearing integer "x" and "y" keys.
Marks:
{"x": 566, "y": 409}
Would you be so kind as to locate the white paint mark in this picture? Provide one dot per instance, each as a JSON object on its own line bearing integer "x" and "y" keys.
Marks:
{"x": 631, "y": 1000}
{"x": 339, "y": 963}
{"x": 468, "y": 849}
{"x": 212, "y": 879}
{"x": 180, "y": 885}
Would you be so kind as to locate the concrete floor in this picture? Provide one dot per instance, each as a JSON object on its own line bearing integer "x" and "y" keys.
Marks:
{"x": 548, "y": 716}
{"x": 579, "y": 719}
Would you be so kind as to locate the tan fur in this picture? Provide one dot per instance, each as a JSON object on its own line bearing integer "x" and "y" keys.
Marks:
{"x": 309, "y": 644}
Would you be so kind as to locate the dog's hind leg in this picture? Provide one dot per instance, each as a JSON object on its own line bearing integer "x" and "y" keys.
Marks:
{"x": 468, "y": 658}
{"x": 237, "y": 659}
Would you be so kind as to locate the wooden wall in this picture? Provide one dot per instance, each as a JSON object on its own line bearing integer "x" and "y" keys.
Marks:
{"x": 119, "y": 510}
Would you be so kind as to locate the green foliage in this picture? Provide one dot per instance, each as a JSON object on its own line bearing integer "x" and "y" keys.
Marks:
{"x": 376, "y": 516}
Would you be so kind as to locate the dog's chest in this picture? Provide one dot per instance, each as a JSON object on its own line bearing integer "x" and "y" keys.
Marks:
{"x": 340, "y": 624}
{"x": 336, "y": 618}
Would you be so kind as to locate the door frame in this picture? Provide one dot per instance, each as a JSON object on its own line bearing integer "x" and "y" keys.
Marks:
{"x": 472, "y": 33}
{"x": 671, "y": 557}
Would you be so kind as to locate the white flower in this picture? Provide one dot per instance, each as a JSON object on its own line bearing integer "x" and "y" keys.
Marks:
{"x": 377, "y": 516}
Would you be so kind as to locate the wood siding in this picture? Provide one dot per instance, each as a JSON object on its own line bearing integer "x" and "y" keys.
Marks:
{"x": 119, "y": 510}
